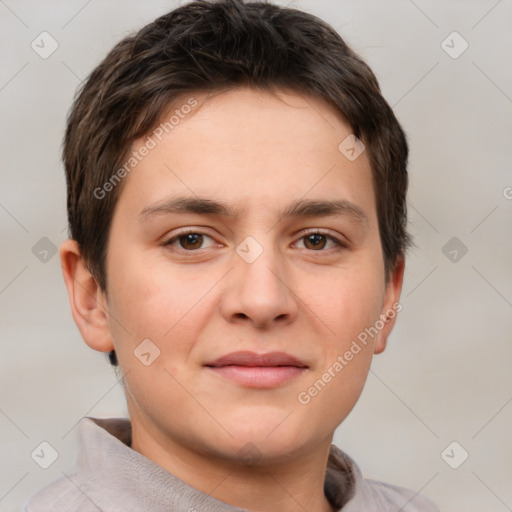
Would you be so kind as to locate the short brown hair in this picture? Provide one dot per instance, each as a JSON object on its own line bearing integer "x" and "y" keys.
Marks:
{"x": 210, "y": 46}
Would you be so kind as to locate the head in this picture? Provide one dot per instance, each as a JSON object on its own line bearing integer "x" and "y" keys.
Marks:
{"x": 236, "y": 182}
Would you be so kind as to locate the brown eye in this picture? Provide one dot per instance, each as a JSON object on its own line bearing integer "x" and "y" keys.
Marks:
{"x": 315, "y": 241}
{"x": 318, "y": 242}
{"x": 189, "y": 241}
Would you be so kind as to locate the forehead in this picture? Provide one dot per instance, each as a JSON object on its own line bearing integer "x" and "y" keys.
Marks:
{"x": 251, "y": 148}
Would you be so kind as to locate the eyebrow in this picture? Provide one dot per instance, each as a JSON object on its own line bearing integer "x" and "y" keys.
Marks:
{"x": 299, "y": 208}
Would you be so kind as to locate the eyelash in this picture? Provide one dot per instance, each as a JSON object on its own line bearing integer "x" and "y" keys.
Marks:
{"x": 341, "y": 245}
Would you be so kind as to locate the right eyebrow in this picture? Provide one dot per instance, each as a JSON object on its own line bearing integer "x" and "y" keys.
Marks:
{"x": 200, "y": 206}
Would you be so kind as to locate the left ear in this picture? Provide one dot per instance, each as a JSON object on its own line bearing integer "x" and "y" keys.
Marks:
{"x": 391, "y": 305}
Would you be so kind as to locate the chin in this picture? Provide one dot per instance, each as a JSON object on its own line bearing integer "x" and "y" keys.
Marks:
{"x": 252, "y": 451}
{"x": 270, "y": 437}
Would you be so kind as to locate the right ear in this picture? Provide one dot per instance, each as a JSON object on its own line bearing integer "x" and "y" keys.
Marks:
{"x": 87, "y": 300}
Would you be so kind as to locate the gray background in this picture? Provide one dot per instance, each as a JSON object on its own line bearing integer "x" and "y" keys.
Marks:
{"x": 446, "y": 375}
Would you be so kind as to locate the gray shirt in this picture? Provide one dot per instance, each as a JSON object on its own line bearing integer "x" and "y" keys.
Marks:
{"x": 112, "y": 477}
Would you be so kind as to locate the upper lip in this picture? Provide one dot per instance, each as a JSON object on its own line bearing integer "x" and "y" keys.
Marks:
{"x": 246, "y": 358}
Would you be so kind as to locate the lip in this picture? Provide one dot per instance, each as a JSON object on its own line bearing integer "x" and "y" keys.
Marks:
{"x": 254, "y": 370}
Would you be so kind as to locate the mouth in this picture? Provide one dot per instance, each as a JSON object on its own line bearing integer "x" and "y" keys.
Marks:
{"x": 253, "y": 370}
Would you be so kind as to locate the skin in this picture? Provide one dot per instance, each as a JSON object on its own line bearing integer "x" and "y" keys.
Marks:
{"x": 257, "y": 152}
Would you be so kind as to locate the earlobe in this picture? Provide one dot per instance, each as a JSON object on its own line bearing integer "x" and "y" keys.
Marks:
{"x": 87, "y": 301}
{"x": 391, "y": 305}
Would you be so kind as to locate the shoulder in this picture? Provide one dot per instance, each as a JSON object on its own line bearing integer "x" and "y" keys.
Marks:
{"x": 387, "y": 497}
{"x": 62, "y": 495}
{"x": 344, "y": 478}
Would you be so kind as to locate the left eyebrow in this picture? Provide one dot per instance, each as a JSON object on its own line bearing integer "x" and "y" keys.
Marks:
{"x": 299, "y": 208}
{"x": 319, "y": 208}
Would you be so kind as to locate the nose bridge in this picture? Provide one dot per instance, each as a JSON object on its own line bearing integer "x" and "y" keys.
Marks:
{"x": 258, "y": 282}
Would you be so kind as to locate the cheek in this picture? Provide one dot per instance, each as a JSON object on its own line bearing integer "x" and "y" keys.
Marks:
{"x": 157, "y": 304}
{"x": 159, "y": 307}
{"x": 346, "y": 354}
{"x": 347, "y": 301}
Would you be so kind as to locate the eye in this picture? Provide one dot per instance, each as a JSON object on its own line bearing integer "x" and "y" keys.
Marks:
{"x": 317, "y": 241}
{"x": 189, "y": 240}
{"x": 192, "y": 240}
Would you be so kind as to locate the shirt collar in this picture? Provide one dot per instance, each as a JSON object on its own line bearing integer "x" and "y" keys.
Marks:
{"x": 130, "y": 481}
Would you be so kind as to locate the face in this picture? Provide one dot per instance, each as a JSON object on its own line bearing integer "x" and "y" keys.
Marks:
{"x": 245, "y": 256}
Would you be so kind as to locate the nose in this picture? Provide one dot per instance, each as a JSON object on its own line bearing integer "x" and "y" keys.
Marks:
{"x": 259, "y": 291}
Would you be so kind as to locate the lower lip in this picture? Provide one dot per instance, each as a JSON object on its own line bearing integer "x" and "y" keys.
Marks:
{"x": 259, "y": 376}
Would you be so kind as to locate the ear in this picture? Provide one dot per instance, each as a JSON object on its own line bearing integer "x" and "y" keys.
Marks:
{"x": 391, "y": 305}
{"x": 88, "y": 302}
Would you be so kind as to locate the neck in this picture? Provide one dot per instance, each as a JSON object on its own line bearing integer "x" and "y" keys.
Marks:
{"x": 297, "y": 484}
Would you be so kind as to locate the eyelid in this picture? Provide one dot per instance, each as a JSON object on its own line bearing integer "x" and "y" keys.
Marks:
{"x": 185, "y": 231}
{"x": 339, "y": 240}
